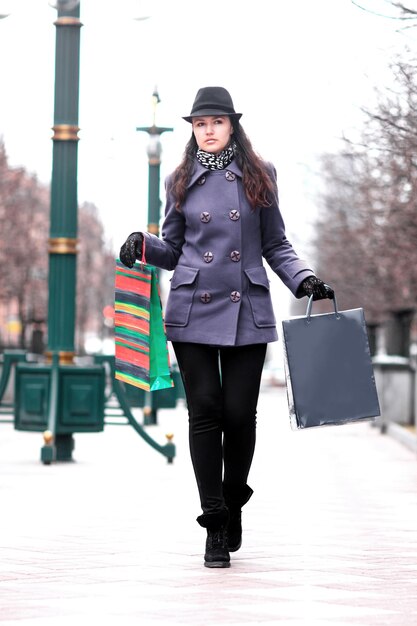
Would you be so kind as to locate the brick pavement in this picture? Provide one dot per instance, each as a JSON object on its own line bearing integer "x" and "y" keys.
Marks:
{"x": 330, "y": 533}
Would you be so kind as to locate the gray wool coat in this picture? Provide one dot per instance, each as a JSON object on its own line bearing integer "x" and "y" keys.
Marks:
{"x": 219, "y": 291}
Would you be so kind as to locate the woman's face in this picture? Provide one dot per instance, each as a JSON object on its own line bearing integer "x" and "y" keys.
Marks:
{"x": 212, "y": 133}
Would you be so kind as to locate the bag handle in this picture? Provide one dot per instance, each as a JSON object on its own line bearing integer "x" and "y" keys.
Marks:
{"x": 310, "y": 306}
{"x": 143, "y": 257}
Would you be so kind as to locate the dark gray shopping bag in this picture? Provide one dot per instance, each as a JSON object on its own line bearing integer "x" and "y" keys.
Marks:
{"x": 329, "y": 374}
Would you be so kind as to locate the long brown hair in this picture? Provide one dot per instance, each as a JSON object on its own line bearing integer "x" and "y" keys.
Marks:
{"x": 258, "y": 185}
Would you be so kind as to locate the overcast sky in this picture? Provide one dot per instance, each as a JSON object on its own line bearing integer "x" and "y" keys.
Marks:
{"x": 298, "y": 71}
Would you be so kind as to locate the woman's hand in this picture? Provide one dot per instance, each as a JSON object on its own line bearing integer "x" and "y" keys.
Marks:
{"x": 131, "y": 249}
{"x": 313, "y": 286}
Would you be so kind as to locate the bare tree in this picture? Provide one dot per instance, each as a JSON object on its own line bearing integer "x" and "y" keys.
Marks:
{"x": 95, "y": 275}
{"x": 23, "y": 254}
{"x": 404, "y": 14}
{"x": 24, "y": 229}
{"x": 367, "y": 227}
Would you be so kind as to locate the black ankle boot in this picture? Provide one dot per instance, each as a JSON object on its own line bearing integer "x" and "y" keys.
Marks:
{"x": 234, "y": 502}
{"x": 217, "y": 553}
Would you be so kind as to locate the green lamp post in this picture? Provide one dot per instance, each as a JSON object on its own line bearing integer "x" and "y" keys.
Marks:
{"x": 63, "y": 218}
{"x": 154, "y": 151}
{"x": 61, "y": 398}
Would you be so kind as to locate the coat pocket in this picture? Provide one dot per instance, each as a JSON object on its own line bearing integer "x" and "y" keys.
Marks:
{"x": 260, "y": 297}
{"x": 180, "y": 300}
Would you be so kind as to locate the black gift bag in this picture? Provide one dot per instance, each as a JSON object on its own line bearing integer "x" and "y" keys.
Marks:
{"x": 328, "y": 367}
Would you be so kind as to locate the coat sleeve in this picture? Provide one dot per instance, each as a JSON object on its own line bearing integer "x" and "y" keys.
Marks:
{"x": 277, "y": 250}
{"x": 165, "y": 252}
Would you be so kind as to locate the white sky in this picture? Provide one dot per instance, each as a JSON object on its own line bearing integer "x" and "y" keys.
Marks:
{"x": 299, "y": 71}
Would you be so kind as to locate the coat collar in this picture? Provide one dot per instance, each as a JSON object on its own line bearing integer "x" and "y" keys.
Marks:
{"x": 199, "y": 170}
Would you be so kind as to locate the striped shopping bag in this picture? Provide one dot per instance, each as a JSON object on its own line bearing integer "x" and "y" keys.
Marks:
{"x": 141, "y": 349}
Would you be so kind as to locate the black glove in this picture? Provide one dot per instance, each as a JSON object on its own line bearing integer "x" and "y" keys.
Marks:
{"x": 313, "y": 286}
{"x": 131, "y": 249}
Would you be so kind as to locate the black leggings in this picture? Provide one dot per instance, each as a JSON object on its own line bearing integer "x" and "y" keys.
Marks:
{"x": 222, "y": 389}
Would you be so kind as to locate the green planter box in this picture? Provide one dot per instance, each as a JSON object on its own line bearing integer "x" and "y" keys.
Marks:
{"x": 164, "y": 398}
{"x": 80, "y": 398}
{"x": 135, "y": 396}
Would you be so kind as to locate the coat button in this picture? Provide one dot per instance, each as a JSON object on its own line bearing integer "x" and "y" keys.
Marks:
{"x": 235, "y": 296}
{"x": 230, "y": 176}
{"x": 234, "y": 215}
{"x": 201, "y": 180}
{"x": 205, "y": 217}
{"x": 208, "y": 257}
{"x": 205, "y": 297}
{"x": 235, "y": 256}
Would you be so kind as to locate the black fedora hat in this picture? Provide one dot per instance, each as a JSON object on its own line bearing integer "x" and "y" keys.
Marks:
{"x": 212, "y": 101}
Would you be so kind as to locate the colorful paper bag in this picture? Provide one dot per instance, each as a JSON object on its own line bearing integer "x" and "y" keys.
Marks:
{"x": 141, "y": 349}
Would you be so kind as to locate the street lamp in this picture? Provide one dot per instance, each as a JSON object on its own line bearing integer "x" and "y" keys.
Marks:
{"x": 63, "y": 243}
{"x": 154, "y": 151}
{"x": 61, "y": 398}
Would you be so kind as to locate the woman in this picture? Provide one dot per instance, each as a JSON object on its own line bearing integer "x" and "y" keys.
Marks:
{"x": 221, "y": 219}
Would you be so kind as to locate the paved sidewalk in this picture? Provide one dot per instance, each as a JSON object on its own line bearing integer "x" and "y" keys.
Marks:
{"x": 330, "y": 533}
